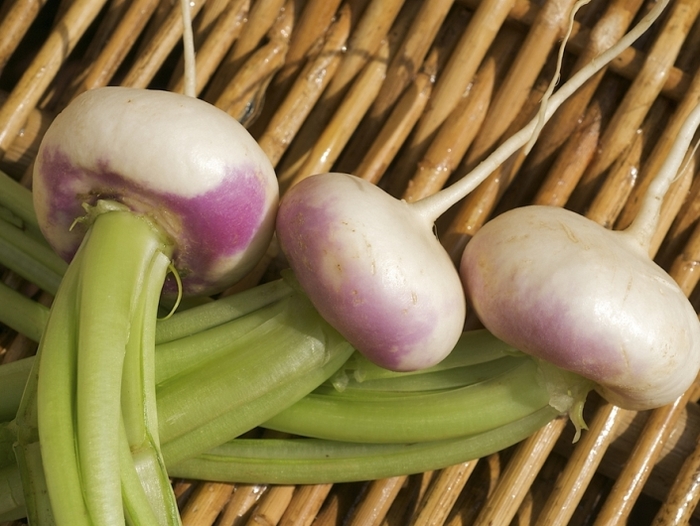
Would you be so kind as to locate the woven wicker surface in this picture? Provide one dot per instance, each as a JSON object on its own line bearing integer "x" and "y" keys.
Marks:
{"x": 409, "y": 94}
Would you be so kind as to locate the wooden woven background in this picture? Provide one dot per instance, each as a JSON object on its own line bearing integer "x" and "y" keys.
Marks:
{"x": 409, "y": 94}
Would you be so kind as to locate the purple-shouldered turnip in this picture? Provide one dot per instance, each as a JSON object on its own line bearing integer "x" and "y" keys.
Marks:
{"x": 590, "y": 300}
{"x": 372, "y": 265}
{"x": 188, "y": 166}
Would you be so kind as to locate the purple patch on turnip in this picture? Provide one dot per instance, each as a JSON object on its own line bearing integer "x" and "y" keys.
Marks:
{"x": 374, "y": 269}
{"x": 187, "y": 166}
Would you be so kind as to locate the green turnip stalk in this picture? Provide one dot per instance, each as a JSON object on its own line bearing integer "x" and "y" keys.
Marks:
{"x": 199, "y": 199}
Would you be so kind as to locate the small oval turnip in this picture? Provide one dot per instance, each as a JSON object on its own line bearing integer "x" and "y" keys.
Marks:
{"x": 560, "y": 287}
{"x": 373, "y": 267}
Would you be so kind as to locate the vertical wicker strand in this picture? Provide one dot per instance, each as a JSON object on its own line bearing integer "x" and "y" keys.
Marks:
{"x": 662, "y": 146}
{"x": 241, "y": 504}
{"x": 14, "y": 25}
{"x": 225, "y": 31}
{"x": 376, "y": 502}
{"x": 622, "y": 176}
{"x": 442, "y": 494}
{"x": 38, "y": 76}
{"x": 644, "y": 90}
{"x": 610, "y": 28}
{"x": 580, "y": 468}
{"x": 123, "y": 38}
{"x": 683, "y": 496}
{"x": 205, "y": 504}
{"x": 686, "y": 266}
{"x": 305, "y": 504}
{"x": 306, "y": 90}
{"x": 454, "y": 79}
{"x": 396, "y": 129}
{"x": 412, "y": 52}
{"x": 243, "y": 95}
{"x": 552, "y": 20}
{"x": 346, "y": 119}
{"x": 520, "y": 472}
{"x": 459, "y": 129}
{"x": 572, "y": 159}
{"x": 315, "y": 22}
{"x": 409, "y": 498}
{"x": 261, "y": 16}
{"x": 271, "y": 506}
{"x": 513, "y": 100}
{"x": 407, "y": 65}
{"x": 628, "y": 485}
{"x": 159, "y": 47}
{"x": 363, "y": 44}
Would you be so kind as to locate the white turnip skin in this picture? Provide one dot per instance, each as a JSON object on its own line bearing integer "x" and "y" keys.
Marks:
{"x": 184, "y": 163}
{"x": 588, "y": 300}
{"x": 560, "y": 287}
{"x": 374, "y": 269}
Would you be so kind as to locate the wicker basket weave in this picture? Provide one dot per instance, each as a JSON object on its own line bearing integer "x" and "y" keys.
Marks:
{"x": 409, "y": 94}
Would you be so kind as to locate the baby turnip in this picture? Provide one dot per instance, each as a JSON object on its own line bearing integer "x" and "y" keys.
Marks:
{"x": 132, "y": 186}
{"x": 372, "y": 265}
{"x": 560, "y": 287}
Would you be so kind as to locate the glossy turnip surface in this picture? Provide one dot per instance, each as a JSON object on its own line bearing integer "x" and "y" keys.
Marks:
{"x": 187, "y": 165}
{"x": 560, "y": 287}
{"x": 373, "y": 269}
